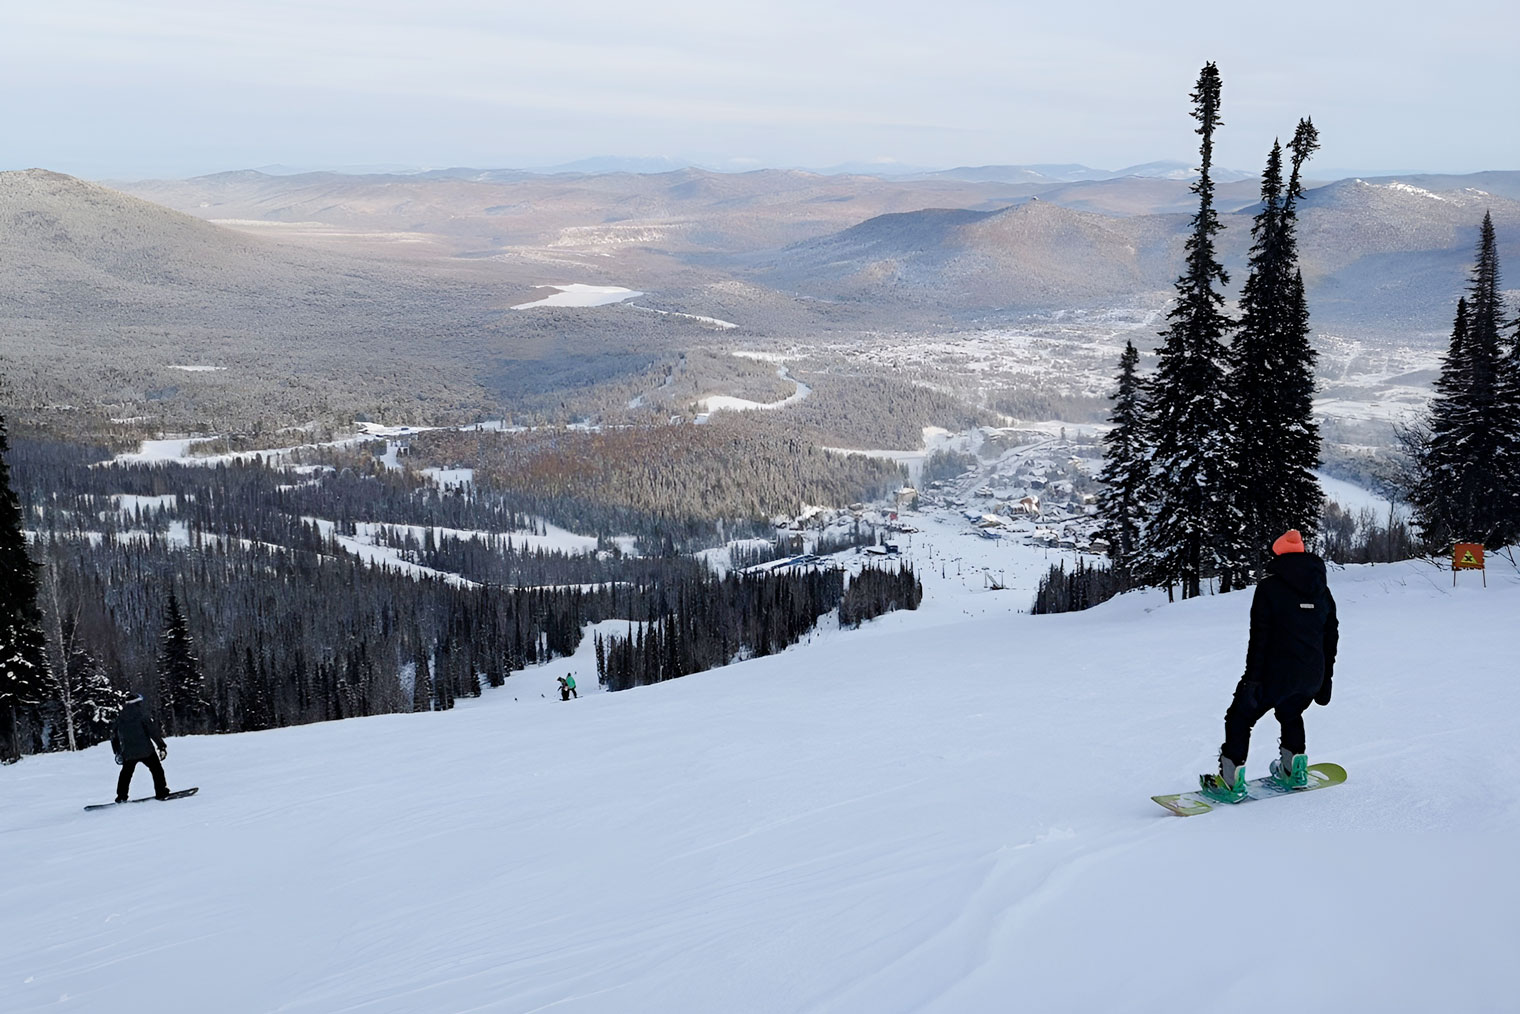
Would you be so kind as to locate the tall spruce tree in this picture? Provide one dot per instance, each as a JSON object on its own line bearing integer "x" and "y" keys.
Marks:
{"x": 1507, "y": 418}
{"x": 1435, "y": 446}
{"x": 1299, "y": 496}
{"x": 25, "y": 678}
{"x": 181, "y": 683}
{"x": 1123, "y": 502}
{"x": 1194, "y": 528}
{"x": 1272, "y": 372}
{"x": 1460, "y": 491}
{"x": 422, "y": 679}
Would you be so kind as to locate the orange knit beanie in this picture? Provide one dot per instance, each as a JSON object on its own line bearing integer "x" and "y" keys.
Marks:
{"x": 1288, "y": 542}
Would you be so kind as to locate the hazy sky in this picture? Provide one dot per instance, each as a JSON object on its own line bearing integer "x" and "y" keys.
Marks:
{"x": 130, "y": 88}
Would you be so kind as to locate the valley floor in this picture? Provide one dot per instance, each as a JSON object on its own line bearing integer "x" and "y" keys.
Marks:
{"x": 946, "y": 810}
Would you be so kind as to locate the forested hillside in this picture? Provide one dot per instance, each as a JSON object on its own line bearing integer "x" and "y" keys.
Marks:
{"x": 251, "y": 595}
{"x": 681, "y": 475}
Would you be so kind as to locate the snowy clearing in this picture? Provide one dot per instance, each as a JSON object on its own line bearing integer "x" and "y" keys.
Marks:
{"x": 581, "y": 295}
{"x": 554, "y": 539}
{"x": 720, "y": 402}
{"x": 1355, "y": 498}
{"x": 451, "y": 478}
{"x": 714, "y": 322}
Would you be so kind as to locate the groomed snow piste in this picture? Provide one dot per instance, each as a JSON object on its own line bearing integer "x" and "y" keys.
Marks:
{"x": 943, "y": 811}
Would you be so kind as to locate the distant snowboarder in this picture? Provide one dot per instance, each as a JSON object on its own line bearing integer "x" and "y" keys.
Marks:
{"x": 564, "y": 689}
{"x": 570, "y": 685}
{"x": 133, "y": 739}
{"x": 1289, "y": 663}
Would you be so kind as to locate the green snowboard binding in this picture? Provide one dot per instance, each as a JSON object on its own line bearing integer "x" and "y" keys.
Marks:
{"x": 1291, "y": 770}
{"x": 1229, "y": 786}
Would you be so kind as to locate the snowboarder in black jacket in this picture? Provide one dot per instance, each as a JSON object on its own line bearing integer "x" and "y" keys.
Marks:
{"x": 133, "y": 739}
{"x": 1290, "y": 662}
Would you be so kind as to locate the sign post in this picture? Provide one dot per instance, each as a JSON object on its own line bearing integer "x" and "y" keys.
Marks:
{"x": 1467, "y": 556}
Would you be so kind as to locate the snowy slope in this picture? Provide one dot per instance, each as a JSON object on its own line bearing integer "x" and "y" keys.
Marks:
{"x": 944, "y": 811}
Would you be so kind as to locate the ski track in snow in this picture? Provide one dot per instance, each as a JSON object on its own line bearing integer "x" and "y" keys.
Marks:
{"x": 723, "y": 402}
{"x": 942, "y": 811}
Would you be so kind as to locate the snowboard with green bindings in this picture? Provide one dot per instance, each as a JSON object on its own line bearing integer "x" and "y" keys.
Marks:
{"x": 1189, "y": 804}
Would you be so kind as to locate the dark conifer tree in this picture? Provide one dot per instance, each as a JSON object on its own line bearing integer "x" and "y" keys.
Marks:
{"x": 257, "y": 712}
{"x": 1194, "y": 528}
{"x": 1300, "y": 496}
{"x": 1507, "y": 417}
{"x": 1459, "y": 490}
{"x": 24, "y": 674}
{"x": 181, "y": 682}
{"x": 1272, "y": 373}
{"x": 1123, "y": 503}
{"x": 1434, "y": 446}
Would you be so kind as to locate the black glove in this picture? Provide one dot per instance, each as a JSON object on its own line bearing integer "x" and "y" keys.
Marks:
{"x": 118, "y": 759}
{"x": 1322, "y": 698}
{"x": 163, "y": 751}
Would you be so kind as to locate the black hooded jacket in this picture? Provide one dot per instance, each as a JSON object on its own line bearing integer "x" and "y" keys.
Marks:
{"x": 136, "y": 732}
{"x": 1294, "y": 631}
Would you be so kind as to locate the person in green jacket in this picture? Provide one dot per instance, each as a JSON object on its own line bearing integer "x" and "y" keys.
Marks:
{"x": 567, "y": 687}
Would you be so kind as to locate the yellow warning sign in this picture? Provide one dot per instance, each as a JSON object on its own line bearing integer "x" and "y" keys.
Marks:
{"x": 1467, "y": 556}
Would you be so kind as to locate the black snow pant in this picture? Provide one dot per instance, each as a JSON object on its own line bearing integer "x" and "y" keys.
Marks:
{"x": 124, "y": 782}
{"x": 1247, "y": 708}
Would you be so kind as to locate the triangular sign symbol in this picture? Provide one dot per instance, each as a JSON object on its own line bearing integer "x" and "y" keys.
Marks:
{"x": 1467, "y": 557}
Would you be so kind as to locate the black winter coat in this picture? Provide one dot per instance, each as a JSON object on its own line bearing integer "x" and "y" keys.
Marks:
{"x": 1294, "y": 631}
{"x": 136, "y": 732}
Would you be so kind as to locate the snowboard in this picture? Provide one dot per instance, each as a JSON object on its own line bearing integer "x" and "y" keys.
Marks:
{"x": 1189, "y": 804}
{"x": 182, "y": 793}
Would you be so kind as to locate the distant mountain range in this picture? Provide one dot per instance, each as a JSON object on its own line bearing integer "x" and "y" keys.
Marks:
{"x": 1388, "y": 255}
{"x": 1078, "y": 173}
{"x": 881, "y": 168}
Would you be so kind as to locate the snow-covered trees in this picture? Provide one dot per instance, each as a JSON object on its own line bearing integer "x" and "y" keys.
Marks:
{"x": 24, "y": 671}
{"x": 1464, "y": 486}
{"x": 1126, "y": 470}
{"x": 875, "y": 591}
{"x": 705, "y": 620}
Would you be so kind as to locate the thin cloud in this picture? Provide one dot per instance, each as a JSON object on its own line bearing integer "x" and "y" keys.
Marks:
{"x": 784, "y": 82}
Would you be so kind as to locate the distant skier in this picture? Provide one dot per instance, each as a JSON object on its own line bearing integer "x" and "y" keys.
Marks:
{"x": 1289, "y": 663}
{"x": 133, "y": 740}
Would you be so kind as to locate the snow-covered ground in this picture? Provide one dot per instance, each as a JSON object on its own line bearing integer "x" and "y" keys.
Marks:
{"x": 945, "y": 810}
{"x": 1356, "y": 498}
{"x": 715, "y": 322}
{"x": 581, "y": 295}
{"x": 720, "y": 402}
{"x": 365, "y": 544}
